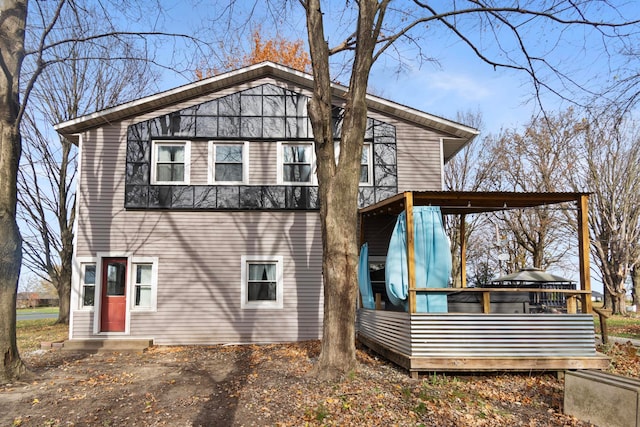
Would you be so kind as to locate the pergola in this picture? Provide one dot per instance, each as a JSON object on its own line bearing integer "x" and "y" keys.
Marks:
{"x": 467, "y": 202}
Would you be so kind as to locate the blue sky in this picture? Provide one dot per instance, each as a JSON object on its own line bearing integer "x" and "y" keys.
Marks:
{"x": 460, "y": 82}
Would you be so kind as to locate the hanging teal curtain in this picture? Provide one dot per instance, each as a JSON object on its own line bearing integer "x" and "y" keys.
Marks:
{"x": 364, "y": 279}
{"x": 432, "y": 260}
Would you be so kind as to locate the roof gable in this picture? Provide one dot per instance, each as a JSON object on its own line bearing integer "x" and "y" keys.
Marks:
{"x": 459, "y": 134}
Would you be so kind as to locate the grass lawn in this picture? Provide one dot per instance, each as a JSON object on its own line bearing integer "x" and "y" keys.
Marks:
{"x": 44, "y": 310}
{"x": 622, "y": 326}
{"x": 30, "y": 333}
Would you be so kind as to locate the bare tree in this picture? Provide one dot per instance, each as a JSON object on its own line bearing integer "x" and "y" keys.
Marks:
{"x": 13, "y": 15}
{"x": 536, "y": 159}
{"x": 372, "y": 28}
{"x": 468, "y": 170}
{"x": 17, "y": 81}
{"x": 610, "y": 165}
{"x": 635, "y": 284}
{"x": 46, "y": 180}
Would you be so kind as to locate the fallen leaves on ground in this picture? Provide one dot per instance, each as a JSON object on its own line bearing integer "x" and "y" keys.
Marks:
{"x": 270, "y": 385}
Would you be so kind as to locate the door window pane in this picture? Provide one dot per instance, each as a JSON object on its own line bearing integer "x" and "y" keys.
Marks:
{"x": 115, "y": 279}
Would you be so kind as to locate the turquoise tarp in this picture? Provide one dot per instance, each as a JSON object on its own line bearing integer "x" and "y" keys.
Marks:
{"x": 364, "y": 279}
{"x": 432, "y": 260}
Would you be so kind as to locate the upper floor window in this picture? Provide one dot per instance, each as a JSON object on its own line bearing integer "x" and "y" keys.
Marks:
{"x": 366, "y": 165}
{"x": 228, "y": 162}
{"x": 296, "y": 163}
{"x": 171, "y": 162}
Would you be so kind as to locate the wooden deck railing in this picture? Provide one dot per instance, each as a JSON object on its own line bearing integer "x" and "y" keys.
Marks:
{"x": 572, "y": 295}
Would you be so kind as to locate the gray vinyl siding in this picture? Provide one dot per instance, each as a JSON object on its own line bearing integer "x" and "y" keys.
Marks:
{"x": 199, "y": 252}
{"x": 199, "y": 255}
{"x": 199, "y": 162}
{"x": 263, "y": 160}
{"x": 419, "y": 159}
{"x": 82, "y": 324}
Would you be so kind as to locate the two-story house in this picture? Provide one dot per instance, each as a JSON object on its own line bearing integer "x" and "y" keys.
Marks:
{"x": 197, "y": 208}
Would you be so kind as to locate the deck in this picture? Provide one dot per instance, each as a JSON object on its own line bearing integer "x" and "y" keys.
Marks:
{"x": 485, "y": 329}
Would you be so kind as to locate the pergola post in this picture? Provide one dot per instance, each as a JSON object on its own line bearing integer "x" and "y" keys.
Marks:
{"x": 584, "y": 251}
{"x": 463, "y": 251}
{"x": 411, "y": 265}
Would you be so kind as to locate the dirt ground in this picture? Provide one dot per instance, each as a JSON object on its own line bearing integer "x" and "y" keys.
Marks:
{"x": 267, "y": 386}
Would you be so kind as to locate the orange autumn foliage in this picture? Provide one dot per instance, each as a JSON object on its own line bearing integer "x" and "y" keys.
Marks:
{"x": 279, "y": 50}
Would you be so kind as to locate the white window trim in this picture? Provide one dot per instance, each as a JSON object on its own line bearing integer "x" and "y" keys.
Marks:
{"x": 212, "y": 162}
{"x": 280, "y": 158}
{"x": 187, "y": 161}
{"x": 278, "y": 303}
{"x": 154, "y": 284}
{"x": 77, "y": 284}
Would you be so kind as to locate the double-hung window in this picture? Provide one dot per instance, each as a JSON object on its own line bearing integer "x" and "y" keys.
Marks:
{"x": 171, "y": 162}
{"x": 261, "y": 282}
{"x": 296, "y": 163}
{"x": 142, "y": 285}
{"x": 88, "y": 282}
{"x": 228, "y": 162}
{"x": 145, "y": 279}
{"x": 366, "y": 165}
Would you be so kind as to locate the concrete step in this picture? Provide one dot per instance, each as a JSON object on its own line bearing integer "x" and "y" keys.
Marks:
{"x": 96, "y": 345}
{"x": 602, "y": 398}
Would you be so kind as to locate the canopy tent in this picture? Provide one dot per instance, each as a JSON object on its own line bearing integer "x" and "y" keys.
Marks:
{"x": 531, "y": 276}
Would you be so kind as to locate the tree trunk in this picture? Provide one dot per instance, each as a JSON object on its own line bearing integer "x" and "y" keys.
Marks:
{"x": 619, "y": 302}
{"x": 63, "y": 286}
{"x": 10, "y": 260}
{"x": 635, "y": 282}
{"x": 13, "y": 15}
{"x": 338, "y": 181}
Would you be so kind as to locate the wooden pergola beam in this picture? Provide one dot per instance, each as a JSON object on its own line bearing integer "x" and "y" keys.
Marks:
{"x": 411, "y": 254}
{"x": 584, "y": 251}
{"x": 463, "y": 251}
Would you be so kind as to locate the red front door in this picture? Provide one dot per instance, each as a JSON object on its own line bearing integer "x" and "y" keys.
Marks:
{"x": 113, "y": 310}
